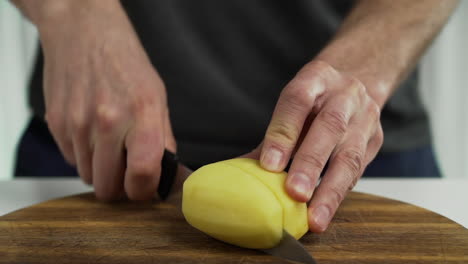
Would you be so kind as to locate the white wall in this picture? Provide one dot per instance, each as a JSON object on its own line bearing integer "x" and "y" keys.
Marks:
{"x": 445, "y": 92}
{"x": 444, "y": 88}
{"x": 17, "y": 47}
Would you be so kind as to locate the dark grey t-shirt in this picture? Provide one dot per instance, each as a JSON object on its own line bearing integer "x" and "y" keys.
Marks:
{"x": 224, "y": 64}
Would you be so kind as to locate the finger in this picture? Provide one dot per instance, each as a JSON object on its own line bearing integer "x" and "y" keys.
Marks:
{"x": 346, "y": 167}
{"x": 83, "y": 154}
{"x": 78, "y": 126}
{"x": 108, "y": 161}
{"x": 294, "y": 106}
{"x": 84, "y": 158}
{"x": 325, "y": 133}
{"x": 145, "y": 147}
{"x": 374, "y": 145}
{"x": 56, "y": 127}
{"x": 304, "y": 132}
{"x": 55, "y": 100}
{"x": 344, "y": 171}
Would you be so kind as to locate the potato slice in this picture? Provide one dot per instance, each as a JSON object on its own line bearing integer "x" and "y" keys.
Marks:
{"x": 294, "y": 213}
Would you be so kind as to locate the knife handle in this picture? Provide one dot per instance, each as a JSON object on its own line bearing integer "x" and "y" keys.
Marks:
{"x": 169, "y": 164}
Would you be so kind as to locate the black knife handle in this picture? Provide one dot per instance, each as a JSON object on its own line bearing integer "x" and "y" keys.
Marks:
{"x": 169, "y": 164}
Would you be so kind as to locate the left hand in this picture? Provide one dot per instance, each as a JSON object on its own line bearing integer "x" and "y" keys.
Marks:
{"x": 322, "y": 115}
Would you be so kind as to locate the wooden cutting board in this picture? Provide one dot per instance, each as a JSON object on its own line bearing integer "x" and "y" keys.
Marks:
{"x": 78, "y": 229}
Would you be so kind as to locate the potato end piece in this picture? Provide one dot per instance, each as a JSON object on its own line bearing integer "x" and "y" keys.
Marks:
{"x": 294, "y": 212}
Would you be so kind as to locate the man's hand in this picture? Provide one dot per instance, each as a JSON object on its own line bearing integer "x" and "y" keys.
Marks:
{"x": 322, "y": 115}
{"x": 105, "y": 104}
{"x": 330, "y": 111}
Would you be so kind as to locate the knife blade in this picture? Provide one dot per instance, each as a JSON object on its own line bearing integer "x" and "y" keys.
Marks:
{"x": 291, "y": 249}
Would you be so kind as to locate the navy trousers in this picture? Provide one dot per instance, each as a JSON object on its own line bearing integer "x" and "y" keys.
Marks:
{"x": 38, "y": 155}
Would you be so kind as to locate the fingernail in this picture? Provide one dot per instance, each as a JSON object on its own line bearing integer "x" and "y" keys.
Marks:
{"x": 302, "y": 185}
{"x": 271, "y": 160}
{"x": 321, "y": 217}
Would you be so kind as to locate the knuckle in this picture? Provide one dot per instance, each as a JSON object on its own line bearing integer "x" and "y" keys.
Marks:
{"x": 300, "y": 95}
{"x": 357, "y": 86}
{"x": 373, "y": 110}
{"x": 353, "y": 159}
{"x": 336, "y": 122}
{"x": 312, "y": 160}
{"x": 283, "y": 134}
{"x": 337, "y": 193}
{"x": 144, "y": 101}
{"x": 107, "y": 118}
{"x": 355, "y": 90}
{"x": 78, "y": 121}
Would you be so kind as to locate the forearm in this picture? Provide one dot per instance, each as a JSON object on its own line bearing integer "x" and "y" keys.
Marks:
{"x": 83, "y": 21}
{"x": 380, "y": 41}
{"x": 49, "y": 12}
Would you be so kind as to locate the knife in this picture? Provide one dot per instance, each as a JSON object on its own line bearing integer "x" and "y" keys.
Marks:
{"x": 291, "y": 249}
{"x": 169, "y": 164}
{"x": 173, "y": 175}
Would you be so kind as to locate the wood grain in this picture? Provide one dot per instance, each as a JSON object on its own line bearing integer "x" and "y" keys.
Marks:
{"x": 78, "y": 229}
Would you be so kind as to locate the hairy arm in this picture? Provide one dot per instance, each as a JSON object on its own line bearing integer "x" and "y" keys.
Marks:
{"x": 381, "y": 41}
{"x": 48, "y": 12}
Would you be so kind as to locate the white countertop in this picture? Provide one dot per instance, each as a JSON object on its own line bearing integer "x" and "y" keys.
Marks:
{"x": 444, "y": 196}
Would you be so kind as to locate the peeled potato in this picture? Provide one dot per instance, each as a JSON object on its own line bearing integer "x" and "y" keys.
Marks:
{"x": 240, "y": 203}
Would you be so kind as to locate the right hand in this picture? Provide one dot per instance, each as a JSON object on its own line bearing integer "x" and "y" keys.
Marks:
{"x": 105, "y": 103}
